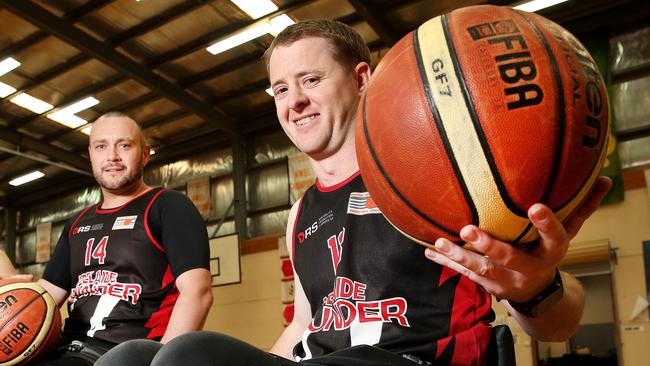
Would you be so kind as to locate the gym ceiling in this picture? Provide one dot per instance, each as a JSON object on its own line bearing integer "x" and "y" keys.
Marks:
{"x": 148, "y": 58}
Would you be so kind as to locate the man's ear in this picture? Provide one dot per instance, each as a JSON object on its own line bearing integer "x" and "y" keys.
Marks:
{"x": 363, "y": 73}
{"x": 146, "y": 152}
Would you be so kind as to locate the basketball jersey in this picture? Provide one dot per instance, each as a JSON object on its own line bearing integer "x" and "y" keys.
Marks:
{"x": 368, "y": 284}
{"x": 123, "y": 287}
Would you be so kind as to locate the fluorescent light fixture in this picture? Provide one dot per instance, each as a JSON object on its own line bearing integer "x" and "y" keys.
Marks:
{"x": 79, "y": 106}
{"x": 256, "y": 8}
{"x": 87, "y": 129}
{"x": 273, "y": 26}
{"x": 269, "y": 91}
{"x": 6, "y": 90}
{"x": 239, "y": 38}
{"x": 69, "y": 120}
{"x": 279, "y": 23}
{"x": 66, "y": 116}
{"x": 7, "y": 65}
{"x": 536, "y": 5}
{"x": 33, "y": 104}
{"x": 26, "y": 178}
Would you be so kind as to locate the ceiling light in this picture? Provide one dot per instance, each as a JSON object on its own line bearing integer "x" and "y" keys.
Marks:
{"x": 79, "y": 106}
{"x": 26, "y": 178}
{"x": 33, "y": 104}
{"x": 87, "y": 129}
{"x": 6, "y": 90}
{"x": 152, "y": 152}
{"x": 279, "y": 23}
{"x": 239, "y": 38}
{"x": 269, "y": 91}
{"x": 7, "y": 65}
{"x": 66, "y": 116}
{"x": 273, "y": 26}
{"x": 536, "y": 5}
{"x": 69, "y": 120}
{"x": 256, "y": 8}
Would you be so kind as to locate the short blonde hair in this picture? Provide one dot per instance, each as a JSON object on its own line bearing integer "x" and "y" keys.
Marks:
{"x": 347, "y": 45}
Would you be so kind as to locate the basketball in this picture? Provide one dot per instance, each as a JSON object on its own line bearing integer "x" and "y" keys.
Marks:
{"x": 30, "y": 322}
{"x": 475, "y": 116}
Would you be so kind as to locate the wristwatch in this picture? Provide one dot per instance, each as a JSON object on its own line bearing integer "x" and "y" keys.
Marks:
{"x": 542, "y": 301}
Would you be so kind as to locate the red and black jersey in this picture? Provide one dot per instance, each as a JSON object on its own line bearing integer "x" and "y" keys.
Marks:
{"x": 120, "y": 265}
{"x": 368, "y": 284}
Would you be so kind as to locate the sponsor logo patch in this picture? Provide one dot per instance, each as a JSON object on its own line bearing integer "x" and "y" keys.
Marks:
{"x": 125, "y": 222}
{"x": 361, "y": 203}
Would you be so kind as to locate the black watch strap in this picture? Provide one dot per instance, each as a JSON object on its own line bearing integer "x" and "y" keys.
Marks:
{"x": 542, "y": 301}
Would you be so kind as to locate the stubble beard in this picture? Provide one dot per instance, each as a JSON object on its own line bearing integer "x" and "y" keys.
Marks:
{"x": 124, "y": 183}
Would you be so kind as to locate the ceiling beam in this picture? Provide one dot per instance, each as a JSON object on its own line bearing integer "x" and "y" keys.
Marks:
{"x": 376, "y": 21}
{"x": 223, "y": 68}
{"x": 159, "y": 120}
{"x": 72, "y": 16}
{"x": 633, "y": 133}
{"x": 75, "y": 14}
{"x": 25, "y": 142}
{"x": 158, "y": 20}
{"x": 104, "y": 53}
{"x": 39, "y": 159}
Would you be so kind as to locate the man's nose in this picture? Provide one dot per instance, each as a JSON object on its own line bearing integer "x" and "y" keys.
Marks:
{"x": 297, "y": 99}
{"x": 112, "y": 154}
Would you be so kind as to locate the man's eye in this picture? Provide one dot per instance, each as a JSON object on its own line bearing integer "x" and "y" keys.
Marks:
{"x": 311, "y": 81}
{"x": 280, "y": 91}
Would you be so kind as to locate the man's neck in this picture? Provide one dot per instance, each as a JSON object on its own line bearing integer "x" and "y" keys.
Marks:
{"x": 336, "y": 168}
{"x": 116, "y": 198}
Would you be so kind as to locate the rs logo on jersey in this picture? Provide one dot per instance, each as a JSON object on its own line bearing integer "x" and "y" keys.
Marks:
{"x": 87, "y": 228}
{"x": 81, "y": 229}
{"x": 308, "y": 231}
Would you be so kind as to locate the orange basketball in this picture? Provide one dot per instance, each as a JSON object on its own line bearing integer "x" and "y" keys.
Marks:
{"x": 477, "y": 115}
{"x": 30, "y": 322}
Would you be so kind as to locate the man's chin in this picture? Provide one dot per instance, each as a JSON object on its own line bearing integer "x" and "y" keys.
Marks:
{"x": 114, "y": 185}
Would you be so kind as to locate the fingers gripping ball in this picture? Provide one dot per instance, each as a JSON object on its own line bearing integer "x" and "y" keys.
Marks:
{"x": 477, "y": 115}
{"x": 30, "y": 322}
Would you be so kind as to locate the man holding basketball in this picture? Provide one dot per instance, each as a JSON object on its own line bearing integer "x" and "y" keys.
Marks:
{"x": 134, "y": 265}
{"x": 365, "y": 294}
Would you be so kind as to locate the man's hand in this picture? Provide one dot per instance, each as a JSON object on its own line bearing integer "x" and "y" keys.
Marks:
{"x": 511, "y": 273}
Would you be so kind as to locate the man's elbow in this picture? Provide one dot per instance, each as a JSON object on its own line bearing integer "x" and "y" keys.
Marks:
{"x": 207, "y": 299}
{"x": 196, "y": 287}
{"x": 203, "y": 297}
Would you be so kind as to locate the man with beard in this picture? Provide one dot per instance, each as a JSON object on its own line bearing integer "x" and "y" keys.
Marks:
{"x": 136, "y": 265}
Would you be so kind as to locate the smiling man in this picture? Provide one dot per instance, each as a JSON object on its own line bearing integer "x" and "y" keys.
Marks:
{"x": 364, "y": 293}
{"x": 133, "y": 266}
